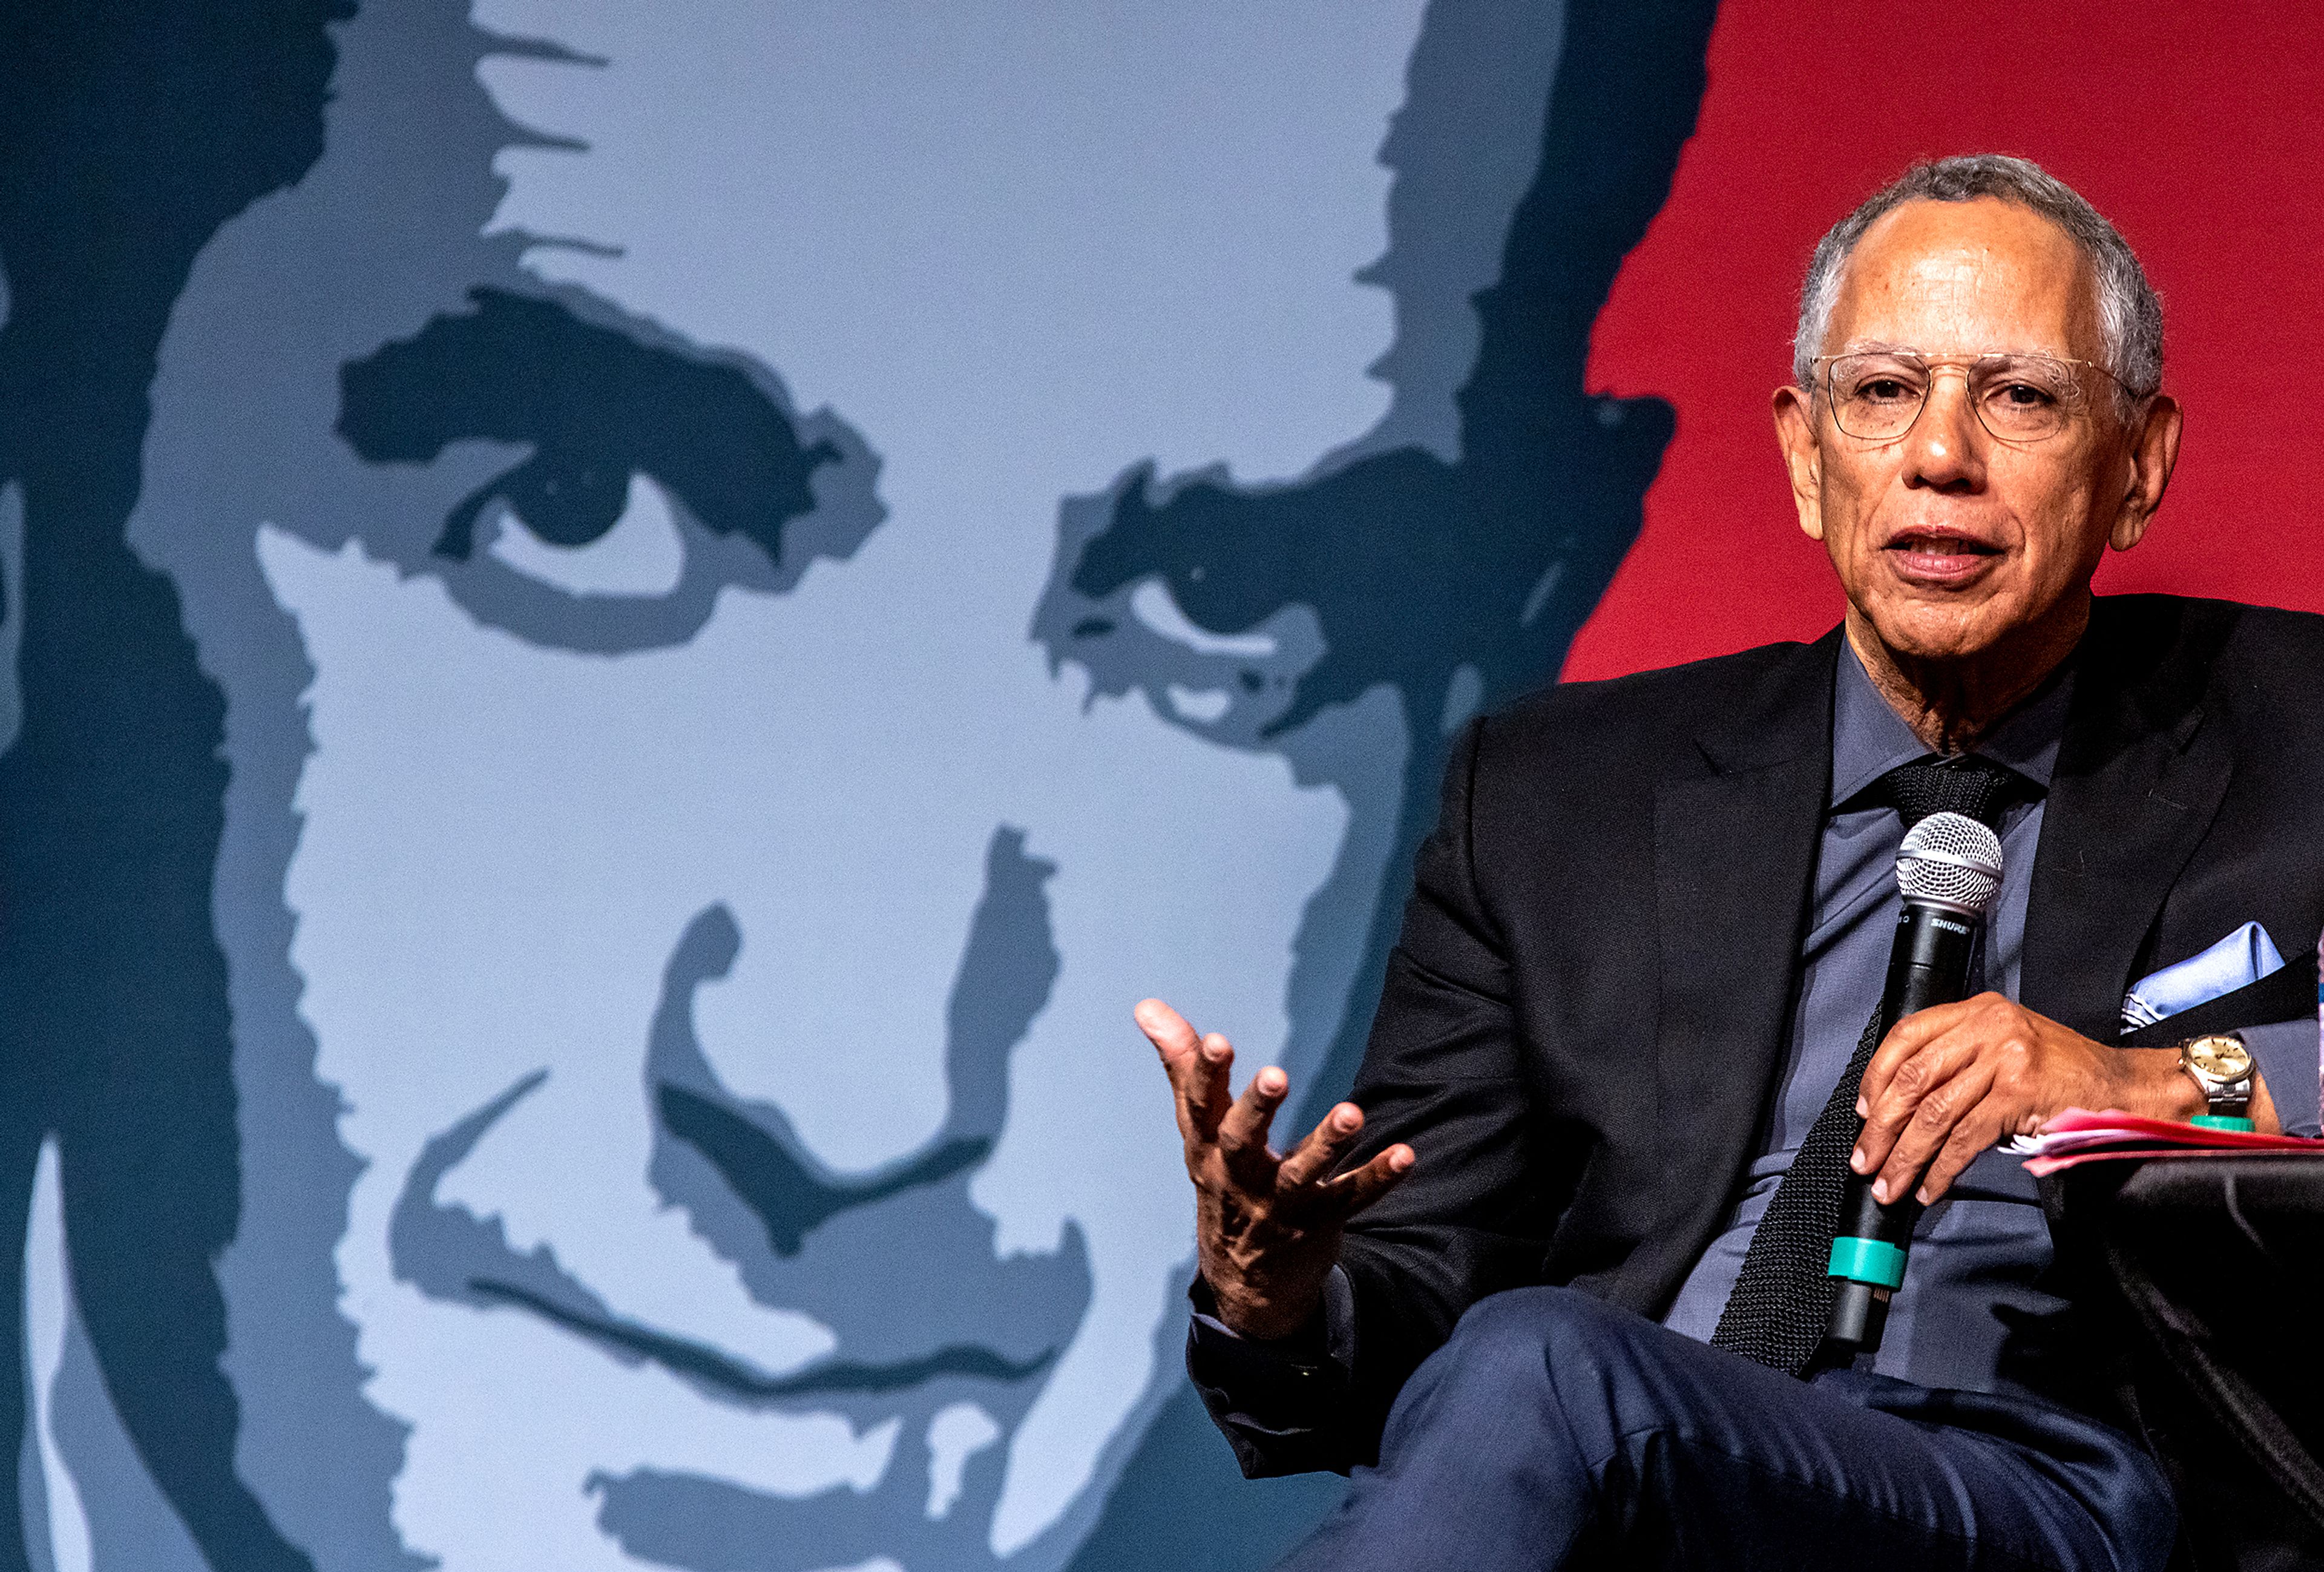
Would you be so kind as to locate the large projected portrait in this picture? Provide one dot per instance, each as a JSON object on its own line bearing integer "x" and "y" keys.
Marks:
{"x": 750, "y": 577}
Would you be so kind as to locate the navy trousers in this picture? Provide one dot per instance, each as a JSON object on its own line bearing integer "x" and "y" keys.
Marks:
{"x": 1553, "y": 1430}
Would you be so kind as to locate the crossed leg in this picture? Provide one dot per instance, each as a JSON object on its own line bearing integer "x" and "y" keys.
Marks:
{"x": 1554, "y": 1431}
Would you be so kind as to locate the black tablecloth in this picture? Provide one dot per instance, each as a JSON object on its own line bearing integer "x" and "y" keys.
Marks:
{"x": 2203, "y": 1278}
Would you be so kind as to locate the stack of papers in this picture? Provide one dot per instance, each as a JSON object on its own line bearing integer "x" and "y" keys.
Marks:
{"x": 2078, "y": 1136}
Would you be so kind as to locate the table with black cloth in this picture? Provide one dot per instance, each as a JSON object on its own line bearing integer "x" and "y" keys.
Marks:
{"x": 2203, "y": 1281}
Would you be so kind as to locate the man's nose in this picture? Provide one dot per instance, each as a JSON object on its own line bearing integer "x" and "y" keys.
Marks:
{"x": 1945, "y": 449}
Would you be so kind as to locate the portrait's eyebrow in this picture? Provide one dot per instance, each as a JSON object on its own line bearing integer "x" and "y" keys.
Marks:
{"x": 595, "y": 405}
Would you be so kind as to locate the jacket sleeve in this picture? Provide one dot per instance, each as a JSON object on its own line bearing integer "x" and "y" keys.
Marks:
{"x": 2286, "y": 1054}
{"x": 1441, "y": 1073}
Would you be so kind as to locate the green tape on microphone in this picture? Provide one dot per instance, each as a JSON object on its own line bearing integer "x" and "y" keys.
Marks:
{"x": 1873, "y": 1261}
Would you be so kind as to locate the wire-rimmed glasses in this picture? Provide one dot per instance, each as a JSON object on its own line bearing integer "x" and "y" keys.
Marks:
{"x": 1876, "y": 394}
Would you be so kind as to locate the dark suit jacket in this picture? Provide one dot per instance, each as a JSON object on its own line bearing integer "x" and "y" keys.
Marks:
{"x": 1583, "y": 1021}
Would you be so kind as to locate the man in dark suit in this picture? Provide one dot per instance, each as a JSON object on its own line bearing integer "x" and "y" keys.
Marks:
{"x": 1519, "y": 1283}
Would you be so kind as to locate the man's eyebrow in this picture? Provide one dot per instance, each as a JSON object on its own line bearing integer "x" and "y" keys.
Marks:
{"x": 589, "y": 400}
{"x": 1886, "y": 347}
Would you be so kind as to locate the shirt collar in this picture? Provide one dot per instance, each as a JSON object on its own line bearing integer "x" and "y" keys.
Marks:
{"x": 1869, "y": 739}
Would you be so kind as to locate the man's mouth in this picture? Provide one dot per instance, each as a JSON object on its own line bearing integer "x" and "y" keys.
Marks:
{"x": 1940, "y": 556}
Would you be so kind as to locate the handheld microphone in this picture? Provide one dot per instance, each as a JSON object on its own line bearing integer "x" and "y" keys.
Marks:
{"x": 1950, "y": 871}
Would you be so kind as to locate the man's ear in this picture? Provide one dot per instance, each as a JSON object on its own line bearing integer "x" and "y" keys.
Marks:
{"x": 2154, "y": 454}
{"x": 1795, "y": 431}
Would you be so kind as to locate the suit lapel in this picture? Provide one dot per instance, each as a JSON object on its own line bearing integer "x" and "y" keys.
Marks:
{"x": 1734, "y": 848}
{"x": 2138, "y": 781}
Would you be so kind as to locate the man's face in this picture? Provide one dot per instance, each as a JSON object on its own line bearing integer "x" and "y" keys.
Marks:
{"x": 716, "y": 917}
{"x": 1949, "y": 540}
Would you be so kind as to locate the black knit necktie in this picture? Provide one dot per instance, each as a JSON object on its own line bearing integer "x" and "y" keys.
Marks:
{"x": 1782, "y": 1297}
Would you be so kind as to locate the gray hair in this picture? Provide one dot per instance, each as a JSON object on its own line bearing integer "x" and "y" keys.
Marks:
{"x": 2130, "y": 313}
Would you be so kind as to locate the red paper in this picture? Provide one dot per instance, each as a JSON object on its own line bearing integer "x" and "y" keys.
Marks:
{"x": 2078, "y": 1136}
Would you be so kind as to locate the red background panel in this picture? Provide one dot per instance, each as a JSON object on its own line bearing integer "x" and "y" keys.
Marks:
{"x": 2198, "y": 130}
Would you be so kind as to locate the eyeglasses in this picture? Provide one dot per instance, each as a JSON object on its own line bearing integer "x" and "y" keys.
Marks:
{"x": 1877, "y": 394}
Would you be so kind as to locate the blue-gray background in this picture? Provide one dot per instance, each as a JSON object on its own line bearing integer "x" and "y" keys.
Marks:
{"x": 435, "y": 448}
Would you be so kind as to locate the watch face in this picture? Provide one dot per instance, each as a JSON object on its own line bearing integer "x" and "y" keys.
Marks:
{"x": 2224, "y": 1056}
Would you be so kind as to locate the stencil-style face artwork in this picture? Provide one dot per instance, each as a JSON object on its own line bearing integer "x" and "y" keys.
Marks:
{"x": 713, "y": 592}
{"x": 714, "y": 911}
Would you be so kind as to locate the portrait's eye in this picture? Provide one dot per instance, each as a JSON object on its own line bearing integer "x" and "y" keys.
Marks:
{"x": 565, "y": 502}
{"x": 599, "y": 531}
{"x": 619, "y": 431}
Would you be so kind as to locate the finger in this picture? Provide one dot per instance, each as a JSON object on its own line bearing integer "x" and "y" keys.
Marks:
{"x": 1974, "y": 1135}
{"x": 1932, "y": 1125}
{"x": 1242, "y": 1133}
{"x": 1210, "y": 1093}
{"x": 1893, "y": 1109}
{"x": 1359, "y": 1187}
{"x": 1905, "y": 1038}
{"x": 1172, "y": 1037}
{"x": 1197, "y": 1068}
{"x": 1320, "y": 1153}
{"x": 1888, "y": 1111}
{"x": 1165, "y": 1028}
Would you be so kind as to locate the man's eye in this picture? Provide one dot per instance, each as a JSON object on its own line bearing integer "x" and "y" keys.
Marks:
{"x": 1886, "y": 390}
{"x": 2024, "y": 395}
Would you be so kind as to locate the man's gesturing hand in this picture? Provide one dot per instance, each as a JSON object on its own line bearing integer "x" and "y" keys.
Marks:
{"x": 1951, "y": 1080}
{"x": 1266, "y": 1227}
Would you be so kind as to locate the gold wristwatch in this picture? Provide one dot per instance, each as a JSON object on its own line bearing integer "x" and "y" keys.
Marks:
{"x": 2222, "y": 1066}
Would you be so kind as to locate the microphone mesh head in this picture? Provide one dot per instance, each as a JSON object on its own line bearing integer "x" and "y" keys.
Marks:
{"x": 1952, "y": 860}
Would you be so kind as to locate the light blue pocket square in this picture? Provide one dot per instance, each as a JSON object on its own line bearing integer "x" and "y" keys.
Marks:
{"x": 2237, "y": 961}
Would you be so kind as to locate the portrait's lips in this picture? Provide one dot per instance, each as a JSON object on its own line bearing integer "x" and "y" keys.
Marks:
{"x": 1941, "y": 556}
{"x": 452, "y": 1255}
{"x": 735, "y": 1380}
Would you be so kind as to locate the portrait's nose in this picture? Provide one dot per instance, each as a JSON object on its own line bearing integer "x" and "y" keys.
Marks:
{"x": 840, "y": 1011}
{"x": 1008, "y": 962}
{"x": 755, "y": 1150}
{"x": 1945, "y": 449}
